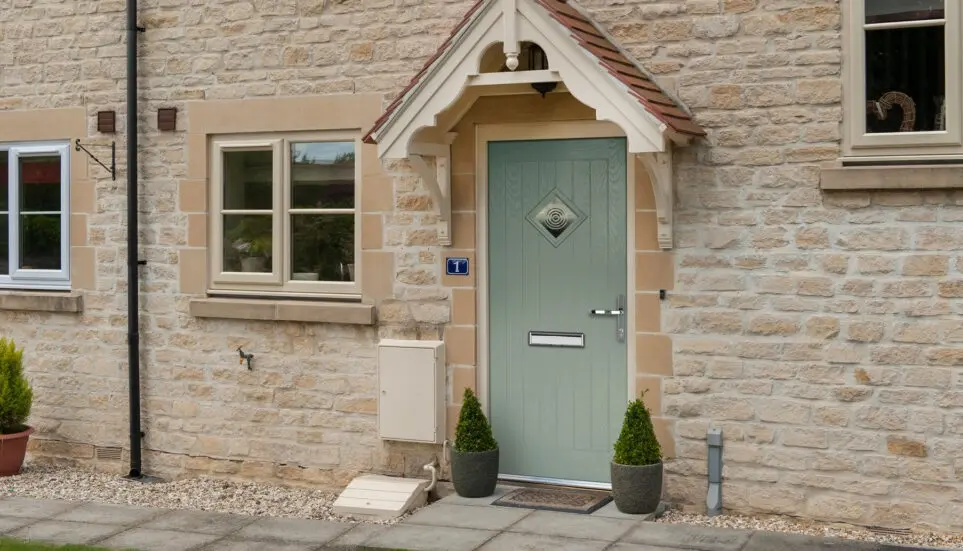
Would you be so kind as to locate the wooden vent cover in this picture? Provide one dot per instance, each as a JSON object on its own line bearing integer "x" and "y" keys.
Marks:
{"x": 167, "y": 119}
{"x": 106, "y": 122}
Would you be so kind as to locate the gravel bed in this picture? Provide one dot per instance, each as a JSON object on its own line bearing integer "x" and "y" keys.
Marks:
{"x": 44, "y": 481}
{"x": 812, "y": 528}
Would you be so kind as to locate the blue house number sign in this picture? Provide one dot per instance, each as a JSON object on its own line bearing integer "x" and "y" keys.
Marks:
{"x": 457, "y": 266}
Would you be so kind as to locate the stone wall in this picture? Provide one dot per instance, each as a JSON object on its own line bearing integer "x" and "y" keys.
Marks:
{"x": 817, "y": 329}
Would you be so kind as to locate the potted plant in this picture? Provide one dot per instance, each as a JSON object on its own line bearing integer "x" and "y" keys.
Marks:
{"x": 252, "y": 241}
{"x": 474, "y": 457}
{"x": 637, "y": 466}
{"x": 16, "y": 397}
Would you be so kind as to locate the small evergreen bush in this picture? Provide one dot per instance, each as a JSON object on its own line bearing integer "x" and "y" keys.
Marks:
{"x": 16, "y": 396}
{"x": 637, "y": 444}
{"x": 473, "y": 433}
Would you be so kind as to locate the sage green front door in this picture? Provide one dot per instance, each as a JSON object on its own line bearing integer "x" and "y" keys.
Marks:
{"x": 557, "y": 276}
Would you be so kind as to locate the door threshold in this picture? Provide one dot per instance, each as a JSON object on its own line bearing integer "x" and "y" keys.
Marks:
{"x": 556, "y": 482}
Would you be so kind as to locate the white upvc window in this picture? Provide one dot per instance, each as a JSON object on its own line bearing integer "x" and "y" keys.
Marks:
{"x": 903, "y": 89}
{"x": 284, "y": 214}
{"x": 34, "y": 216}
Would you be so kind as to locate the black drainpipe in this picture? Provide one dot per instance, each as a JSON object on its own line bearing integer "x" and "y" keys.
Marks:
{"x": 133, "y": 280}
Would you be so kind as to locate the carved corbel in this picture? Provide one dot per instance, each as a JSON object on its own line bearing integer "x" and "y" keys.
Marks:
{"x": 437, "y": 179}
{"x": 659, "y": 166}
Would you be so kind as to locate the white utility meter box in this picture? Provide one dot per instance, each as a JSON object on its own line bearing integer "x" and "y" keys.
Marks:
{"x": 411, "y": 391}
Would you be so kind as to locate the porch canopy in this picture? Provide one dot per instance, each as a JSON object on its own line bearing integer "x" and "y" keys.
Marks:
{"x": 496, "y": 50}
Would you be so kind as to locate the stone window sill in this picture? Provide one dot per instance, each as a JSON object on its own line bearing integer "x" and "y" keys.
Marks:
{"x": 351, "y": 313}
{"x": 902, "y": 177}
{"x": 27, "y": 301}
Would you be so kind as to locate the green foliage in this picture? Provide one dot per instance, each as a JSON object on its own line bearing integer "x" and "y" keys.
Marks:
{"x": 637, "y": 444}
{"x": 16, "y": 396}
{"x": 16, "y": 545}
{"x": 473, "y": 433}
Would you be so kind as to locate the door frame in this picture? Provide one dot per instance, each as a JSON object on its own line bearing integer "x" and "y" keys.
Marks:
{"x": 485, "y": 133}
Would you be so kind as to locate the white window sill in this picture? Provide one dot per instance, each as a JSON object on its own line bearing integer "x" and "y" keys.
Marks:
{"x": 892, "y": 177}
{"x": 351, "y": 313}
{"x": 41, "y": 301}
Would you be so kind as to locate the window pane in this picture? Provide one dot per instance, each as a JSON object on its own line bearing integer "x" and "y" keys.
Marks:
{"x": 4, "y": 176}
{"x": 4, "y": 245}
{"x": 40, "y": 241}
{"x": 40, "y": 184}
{"x": 248, "y": 243}
{"x": 248, "y": 180}
{"x": 322, "y": 175}
{"x": 905, "y": 76}
{"x": 888, "y": 11}
{"x": 322, "y": 247}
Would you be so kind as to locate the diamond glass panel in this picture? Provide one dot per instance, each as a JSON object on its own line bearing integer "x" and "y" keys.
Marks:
{"x": 556, "y": 218}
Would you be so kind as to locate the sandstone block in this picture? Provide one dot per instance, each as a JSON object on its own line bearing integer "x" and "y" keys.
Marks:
{"x": 852, "y": 393}
{"x": 805, "y": 438}
{"x": 821, "y": 91}
{"x": 865, "y": 331}
{"x": 775, "y": 410}
{"x": 925, "y": 265}
{"x": 773, "y": 325}
{"x": 822, "y": 327}
{"x": 834, "y": 508}
{"x": 878, "y": 417}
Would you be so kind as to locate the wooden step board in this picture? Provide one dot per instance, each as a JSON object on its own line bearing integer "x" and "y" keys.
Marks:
{"x": 380, "y": 497}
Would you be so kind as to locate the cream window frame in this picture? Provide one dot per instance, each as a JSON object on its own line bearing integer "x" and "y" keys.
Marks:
{"x": 278, "y": 282}
{"x": 32, "y": 279}
{"x": 907, "y": 145}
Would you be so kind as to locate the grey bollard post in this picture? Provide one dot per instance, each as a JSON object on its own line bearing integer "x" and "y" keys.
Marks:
{"x": 714, "y": 497}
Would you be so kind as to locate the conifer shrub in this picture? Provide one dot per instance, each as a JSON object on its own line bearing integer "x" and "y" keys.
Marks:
{"x": 473, "y": 432}
{"x": 16, "y": 396}
{"x": 637, "y": 444}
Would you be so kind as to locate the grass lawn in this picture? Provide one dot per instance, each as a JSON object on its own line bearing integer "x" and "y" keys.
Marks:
{"x": 17, "y": 545}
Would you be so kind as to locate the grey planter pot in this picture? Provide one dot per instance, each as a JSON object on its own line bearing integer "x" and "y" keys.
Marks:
{"x": 637, "y": 489}
{"x": 474, "y": 474}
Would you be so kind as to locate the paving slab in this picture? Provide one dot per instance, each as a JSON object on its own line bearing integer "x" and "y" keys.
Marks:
{"x": 642, "y": 547}
{"x": 468, "y": 516}
{"x": 687, "y": 537}
{"x": 34, "y": 508}
{"x": 509, "y": 541}
{"x": 156, "y": 540}
{"x": 234, "y": 544}
{"x": 764, "y": 541}
{"x": 9, "y": 524}
{"x": 63, "y": 532}
{"x": 294, "y": 530}
{"x": 102, "y": 513}
{"x": 430, "y": 538}
{"x": 569, "y": 525}
{"x": 609, "y": 510}
{"x": 455, "y": 499}
{"x": 199, "y": 522}
{"x": 358, "y": 535}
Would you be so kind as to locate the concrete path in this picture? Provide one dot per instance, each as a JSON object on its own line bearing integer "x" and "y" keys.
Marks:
{"x": 451, "y": 524}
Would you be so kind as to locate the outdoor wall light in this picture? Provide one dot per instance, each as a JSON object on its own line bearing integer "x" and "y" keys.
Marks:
{"x": 538, "y": 61}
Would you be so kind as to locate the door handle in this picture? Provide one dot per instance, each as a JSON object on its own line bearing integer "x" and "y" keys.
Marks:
{"x": 619, "y": 312}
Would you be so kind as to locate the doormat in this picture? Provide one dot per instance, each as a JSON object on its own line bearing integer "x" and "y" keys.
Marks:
{"x": 565, "y": 501}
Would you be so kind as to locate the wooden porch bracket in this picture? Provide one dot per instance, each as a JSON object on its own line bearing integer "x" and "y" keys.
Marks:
{"x": 437, "y": 179}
